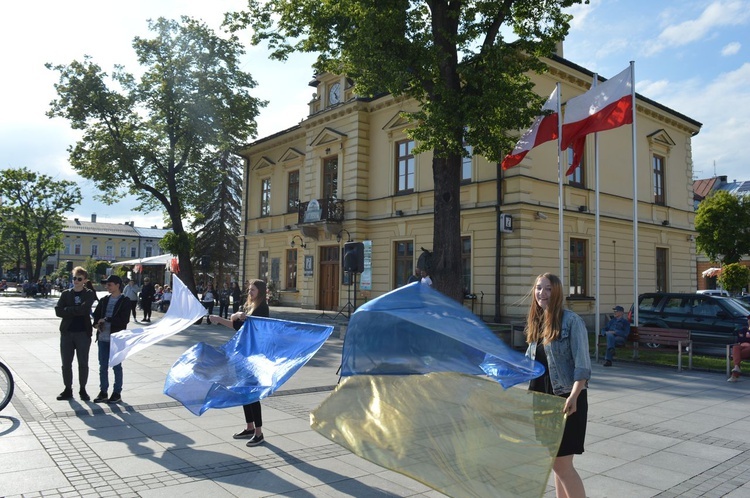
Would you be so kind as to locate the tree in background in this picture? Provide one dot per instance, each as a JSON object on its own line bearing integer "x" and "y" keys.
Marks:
{"x": 31, "y": 221}
{"x": 157, "y": 137}
{"x": 217, "y": 221}
{"x": 723, "y": 225}
{"x": 734, "y": 277}
{"x": 452, "y": 57}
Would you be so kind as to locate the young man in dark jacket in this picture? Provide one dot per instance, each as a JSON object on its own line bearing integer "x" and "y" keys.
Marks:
{"x": 74, "y": 307}
{"x": 112, "y": 315}
{"x": 148, "y": 291}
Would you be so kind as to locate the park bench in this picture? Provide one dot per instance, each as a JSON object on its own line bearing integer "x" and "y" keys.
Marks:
{"x": 659, "y": 336}
{"x": 666, "y": 337}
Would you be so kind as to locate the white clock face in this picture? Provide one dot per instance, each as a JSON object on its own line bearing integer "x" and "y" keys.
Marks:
{"x": 334, "y": 94}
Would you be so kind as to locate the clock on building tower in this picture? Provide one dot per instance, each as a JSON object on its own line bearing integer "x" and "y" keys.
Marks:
{"x": 334, "y": 94}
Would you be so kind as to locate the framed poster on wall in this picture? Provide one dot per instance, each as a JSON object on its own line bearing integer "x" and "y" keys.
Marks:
{"x": 308, "y": 265}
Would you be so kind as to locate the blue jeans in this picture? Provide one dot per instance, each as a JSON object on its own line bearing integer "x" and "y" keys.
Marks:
{"x": 104, "y": 367}
{"x": 613, "y": 340}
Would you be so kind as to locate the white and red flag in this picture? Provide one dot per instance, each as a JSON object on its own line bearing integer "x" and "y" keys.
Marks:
{"x": 604, "y": 107}
{"x": 543, "y": 130}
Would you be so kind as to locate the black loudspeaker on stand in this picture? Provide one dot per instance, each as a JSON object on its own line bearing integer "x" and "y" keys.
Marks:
{"x": 354, "y": 263}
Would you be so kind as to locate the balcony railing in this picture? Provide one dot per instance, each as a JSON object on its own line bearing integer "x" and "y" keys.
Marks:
{"x": 317, "y": 210}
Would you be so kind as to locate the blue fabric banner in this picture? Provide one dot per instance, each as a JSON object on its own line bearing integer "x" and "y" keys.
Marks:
{"x": 259, "y": 359}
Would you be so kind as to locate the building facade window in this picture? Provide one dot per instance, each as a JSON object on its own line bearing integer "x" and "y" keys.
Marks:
{"x": 657, "y": 163}
{"x": 123, "y": 250}
{"x": 77, "y": 248}
{"x": 578, "y": 265}
{"x": 292, "y": 192}
{"x": 66, "y": 250}
{"x": 662, "y": 256}
{"x": 466, "y": 163}
{"x": 577, "y": 177}
{"x": 405, "y": 166}
{"x": 330, "y": 177}
{"x": 265, "y": 197}
{"x": 403, "y": 265}
{"x": 263, "y": 266}
{"x": 133, "y": 252}
{"x": 149, "y": 251}
{"x": 109, "y": 251}
{"x": 94, "y": 249}
{"x": 466, "y": 263}
{"x": 291, "y": 268}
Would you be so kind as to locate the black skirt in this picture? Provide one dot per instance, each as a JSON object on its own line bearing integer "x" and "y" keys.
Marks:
{"x": 574, "y": 434}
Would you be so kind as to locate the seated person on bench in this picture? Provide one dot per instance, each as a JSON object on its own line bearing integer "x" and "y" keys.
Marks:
{"x": 616, "y": 332}
{"x": 740, "y": 351}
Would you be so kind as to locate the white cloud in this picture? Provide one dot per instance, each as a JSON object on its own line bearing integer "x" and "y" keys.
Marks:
{"x": 652, "y": 89}
{"x": 717, "y": 14}
{"x": 581, "y": 12}
{"x": 723, "y": 106}
{"x": 731, "y": 48}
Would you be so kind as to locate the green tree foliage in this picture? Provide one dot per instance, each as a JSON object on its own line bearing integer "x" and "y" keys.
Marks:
{"x": 723, "y": 225}
{"x": 218, "y": 220}
{"x": 154, "y": 137}
{"x": 451, "y": 56}
{"x": 31, "y": 215}
{"x": 734, "y": 277}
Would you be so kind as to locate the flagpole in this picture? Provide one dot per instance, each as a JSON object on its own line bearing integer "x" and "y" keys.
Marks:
{"x": 561, "y": 254}
{"x": 597, "y": 257}
{"x": 635, "y": 199}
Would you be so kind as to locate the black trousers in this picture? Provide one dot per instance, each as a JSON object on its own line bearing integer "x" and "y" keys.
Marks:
{"x": 133, "y": 307}
{"x": 224, "y": 309}
{"x": 252, "y": 414}
{"x": 75, "y": 344}
{"x": 146, "y": 306}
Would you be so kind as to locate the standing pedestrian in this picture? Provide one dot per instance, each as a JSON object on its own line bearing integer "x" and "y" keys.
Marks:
{"x": 558, "y": 340}
{"x": 112, "y": 315}
{"x": 224, "y": 296}
{"x": 147, "y": 298}
{"x": 255, "y": 306}
{"x": 74, "y": 307}
{"x": 131, "y": 294}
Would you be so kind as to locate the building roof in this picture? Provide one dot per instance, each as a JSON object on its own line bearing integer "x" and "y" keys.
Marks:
{"x": 94, "y": 228}
{"x": 701, "y": 188}
{"x": 152, "y": 233}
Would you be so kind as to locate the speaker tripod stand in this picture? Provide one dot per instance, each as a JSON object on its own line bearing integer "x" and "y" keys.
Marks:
{"x": 349, "y": 307}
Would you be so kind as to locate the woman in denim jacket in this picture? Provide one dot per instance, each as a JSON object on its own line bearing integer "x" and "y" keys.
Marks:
{"x": 558, "y": 339}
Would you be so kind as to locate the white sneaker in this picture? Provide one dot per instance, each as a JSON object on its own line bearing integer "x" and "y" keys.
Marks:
{"x": 736, "y": 369}
{"x": 733, "y": 379}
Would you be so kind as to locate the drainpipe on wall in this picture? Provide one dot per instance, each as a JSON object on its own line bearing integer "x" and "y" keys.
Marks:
{"x": 498, "y": 245}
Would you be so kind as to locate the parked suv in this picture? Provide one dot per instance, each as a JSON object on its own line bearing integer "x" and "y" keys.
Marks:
{"x": 712, "y": 320}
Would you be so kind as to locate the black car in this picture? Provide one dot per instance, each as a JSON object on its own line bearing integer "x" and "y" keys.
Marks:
{"x": 712, "y": 320}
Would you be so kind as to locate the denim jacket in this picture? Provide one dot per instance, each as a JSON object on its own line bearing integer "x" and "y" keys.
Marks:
{"x": 568, "y": 355}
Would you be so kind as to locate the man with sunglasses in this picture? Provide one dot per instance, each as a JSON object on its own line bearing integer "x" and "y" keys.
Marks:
{"x": 74, "y": 307}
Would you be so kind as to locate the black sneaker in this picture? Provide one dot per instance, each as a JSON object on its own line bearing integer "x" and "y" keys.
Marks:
{"x": 607, "y": 363}
{"x": 245, "y": 434}
{"x": 255, "y": 440}
{"x": 66, "y": 394}
{"x": 115, "y": 398}
{"x": 101, "y": 397}
{"x": 84, "y": 395}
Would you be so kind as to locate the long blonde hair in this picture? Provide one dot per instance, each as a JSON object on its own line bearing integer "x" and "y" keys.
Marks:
{"x": 544, "y": 325}
{"x": 250, "y": 305}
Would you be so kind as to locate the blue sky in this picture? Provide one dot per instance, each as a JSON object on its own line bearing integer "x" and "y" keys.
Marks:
{"x": 691, "y": 55}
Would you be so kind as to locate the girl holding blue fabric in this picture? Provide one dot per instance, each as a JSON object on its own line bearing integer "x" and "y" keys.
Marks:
{"x": 255, "y": 306}
{"x": 559, "y": 340}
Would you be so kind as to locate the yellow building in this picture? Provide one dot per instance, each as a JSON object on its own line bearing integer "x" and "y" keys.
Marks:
{"x": 106, "y": 242}
{"x": 347, "y": 172}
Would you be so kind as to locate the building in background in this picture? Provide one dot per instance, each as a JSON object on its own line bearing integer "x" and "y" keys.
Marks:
{"x": 109, "y": 242}
{"x": 348, "y": 173}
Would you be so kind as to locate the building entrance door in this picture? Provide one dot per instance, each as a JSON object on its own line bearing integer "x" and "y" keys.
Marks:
{"x": 329, "y": 278}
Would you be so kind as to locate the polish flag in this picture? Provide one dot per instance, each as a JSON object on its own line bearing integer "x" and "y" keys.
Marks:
{"x": 604, "y": 107}
{"x": 543, "y": 130}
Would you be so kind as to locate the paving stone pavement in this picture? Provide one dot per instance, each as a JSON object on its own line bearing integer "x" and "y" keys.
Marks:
{"x": 651, "y": 431}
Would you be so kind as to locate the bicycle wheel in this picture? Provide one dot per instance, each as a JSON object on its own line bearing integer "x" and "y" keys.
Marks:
{"x": 6, "y": 386}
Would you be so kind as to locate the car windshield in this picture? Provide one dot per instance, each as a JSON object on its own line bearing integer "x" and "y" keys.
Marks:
{"x": 734, "y": 307}
{"x": 744, "y": 304}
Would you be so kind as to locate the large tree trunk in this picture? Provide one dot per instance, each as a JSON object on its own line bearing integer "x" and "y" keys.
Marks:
{"x": 446, "y": 244}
